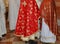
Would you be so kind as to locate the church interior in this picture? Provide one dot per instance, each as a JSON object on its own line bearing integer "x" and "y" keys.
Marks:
{"x": 9, "y": 38}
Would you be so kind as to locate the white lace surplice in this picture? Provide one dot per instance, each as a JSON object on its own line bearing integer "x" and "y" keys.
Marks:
{"x": 46, "y": 35}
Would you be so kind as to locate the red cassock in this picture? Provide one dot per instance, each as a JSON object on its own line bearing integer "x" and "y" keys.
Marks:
{"x": 27, "y": 22}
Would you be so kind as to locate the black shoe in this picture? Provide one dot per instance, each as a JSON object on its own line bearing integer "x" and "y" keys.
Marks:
{"x": 0, "y": 38}
{"x": 26, "y": 42}
{"x": 3, "y": 35}
{"x": 44, "y": 43}
{"x": 33, "y": 42}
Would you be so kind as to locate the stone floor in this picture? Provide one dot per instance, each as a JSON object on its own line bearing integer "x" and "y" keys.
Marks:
{"x": 11, "y": 39}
